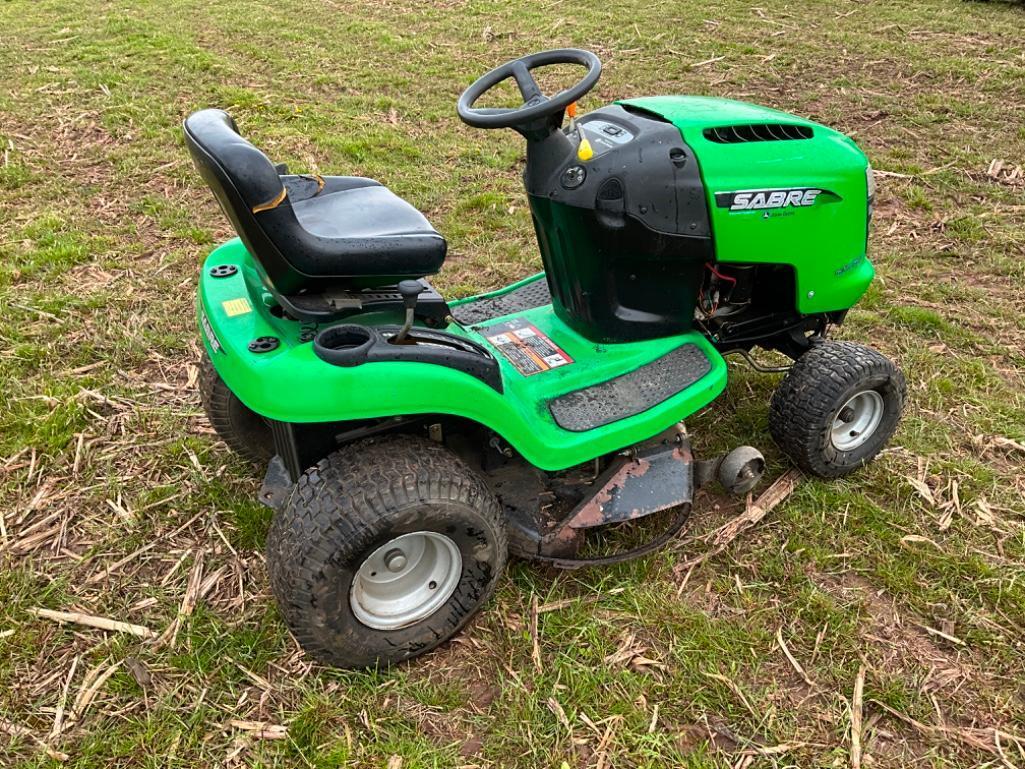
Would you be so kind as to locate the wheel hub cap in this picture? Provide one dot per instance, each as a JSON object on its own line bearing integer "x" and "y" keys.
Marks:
{"x": 856, "y": 421}
{"x": 405, "y": 580}
{"x": 395, "y": 560}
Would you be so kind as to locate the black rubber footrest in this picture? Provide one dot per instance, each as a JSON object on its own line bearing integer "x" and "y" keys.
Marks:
{"x": 631, "y": 393}
{"x": 526, "y": 297}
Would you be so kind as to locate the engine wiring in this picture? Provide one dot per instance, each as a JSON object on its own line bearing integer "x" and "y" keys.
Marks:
{"x": 709, "y": 312}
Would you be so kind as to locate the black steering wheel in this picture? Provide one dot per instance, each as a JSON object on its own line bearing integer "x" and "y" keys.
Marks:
{"x": 535, "y": 104}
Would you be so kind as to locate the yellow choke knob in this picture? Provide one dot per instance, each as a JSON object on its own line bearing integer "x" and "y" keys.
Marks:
{"x": 584, "y": 151}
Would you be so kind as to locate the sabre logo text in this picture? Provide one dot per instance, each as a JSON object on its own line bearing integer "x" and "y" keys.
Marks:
{"x": 760, "y": 200}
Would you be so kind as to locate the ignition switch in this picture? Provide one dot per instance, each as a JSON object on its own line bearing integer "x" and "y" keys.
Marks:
{"x": 573, "y": 177}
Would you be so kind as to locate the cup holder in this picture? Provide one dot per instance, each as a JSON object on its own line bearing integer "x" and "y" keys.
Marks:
{"x": 345, "y": 345}
{"x": 351, "y": 345}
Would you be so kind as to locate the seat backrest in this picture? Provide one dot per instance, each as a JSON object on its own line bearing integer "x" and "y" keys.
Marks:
{"x": 290, "y": 258}
{"x": 244, "y": 181}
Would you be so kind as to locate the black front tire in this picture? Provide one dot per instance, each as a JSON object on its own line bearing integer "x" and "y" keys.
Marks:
{"x": 245, "y": 431}
{"x": 344, "y": 509}
{"x": 809, "y": 401}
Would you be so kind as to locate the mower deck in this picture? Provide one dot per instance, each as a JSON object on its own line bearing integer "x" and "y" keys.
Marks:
{"x": 566, "y": 399}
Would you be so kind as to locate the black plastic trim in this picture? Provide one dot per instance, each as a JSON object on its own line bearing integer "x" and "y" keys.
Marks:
{"x": 757, "y": 132}
{"x": 287, "y": 448}
{"x": 328, "y": 305}
{"x": 264, "y": 344}
{"x": 353, "y": 345}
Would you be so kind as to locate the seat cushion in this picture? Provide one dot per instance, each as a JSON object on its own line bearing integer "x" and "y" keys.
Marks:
{"x": 364, "y": 212}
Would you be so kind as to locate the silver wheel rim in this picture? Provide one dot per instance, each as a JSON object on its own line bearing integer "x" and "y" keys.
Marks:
{"x": 856, "y": 421}
{"x": 406, "y": 580}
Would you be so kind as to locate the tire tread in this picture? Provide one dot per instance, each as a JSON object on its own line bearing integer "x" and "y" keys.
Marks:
{"x": 336, "y": 508}
{"x": 806, "y": 399}
{"x": 242, "y": 429}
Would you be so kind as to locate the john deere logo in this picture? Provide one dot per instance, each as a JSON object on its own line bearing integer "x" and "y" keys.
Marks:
{"x": 762, "y": 200}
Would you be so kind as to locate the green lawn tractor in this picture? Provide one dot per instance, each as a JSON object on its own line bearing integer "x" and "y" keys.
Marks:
{"x": 412, "y": 442}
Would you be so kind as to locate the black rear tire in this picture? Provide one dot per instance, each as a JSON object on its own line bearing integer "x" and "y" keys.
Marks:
{"x": 245, "y": 431}
{"x": 348, "y": 506}
{"x": 813, "y": 399}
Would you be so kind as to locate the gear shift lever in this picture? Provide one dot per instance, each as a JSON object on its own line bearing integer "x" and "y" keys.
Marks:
{"x": 410, "y": 290}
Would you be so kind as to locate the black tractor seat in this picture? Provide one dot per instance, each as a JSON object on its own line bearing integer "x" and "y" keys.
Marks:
{"x": 311, "y": 234}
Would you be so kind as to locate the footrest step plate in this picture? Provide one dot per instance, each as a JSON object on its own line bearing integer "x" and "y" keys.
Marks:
{"x": 632, "y": 393}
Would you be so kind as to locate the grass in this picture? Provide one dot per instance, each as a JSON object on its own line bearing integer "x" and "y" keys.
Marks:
{"x": 912, "y": 568}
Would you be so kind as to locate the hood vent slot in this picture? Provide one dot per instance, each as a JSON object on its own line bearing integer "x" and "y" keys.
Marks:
{"x": 757, "y": 132}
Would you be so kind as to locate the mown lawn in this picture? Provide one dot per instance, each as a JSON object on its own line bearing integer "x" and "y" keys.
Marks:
{"x": 115, "y": 495}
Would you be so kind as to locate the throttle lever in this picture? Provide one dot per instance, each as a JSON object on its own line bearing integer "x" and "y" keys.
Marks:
{"x": 410, "y": 291}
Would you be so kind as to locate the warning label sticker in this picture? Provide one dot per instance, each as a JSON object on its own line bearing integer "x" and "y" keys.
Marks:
{"x": 234, "y": 307}
{"x": 523, "y": 345}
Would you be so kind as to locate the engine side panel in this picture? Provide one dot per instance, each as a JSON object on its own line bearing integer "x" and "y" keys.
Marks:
{"x": 796, "y": 201}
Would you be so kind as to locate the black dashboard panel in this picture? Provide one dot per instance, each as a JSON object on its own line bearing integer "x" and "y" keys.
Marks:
{"x": 604, "y": 135}
{"x": 641, "y": 167}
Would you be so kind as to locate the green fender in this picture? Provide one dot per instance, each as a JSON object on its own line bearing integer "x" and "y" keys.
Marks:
{"x": 291, "y": 384}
